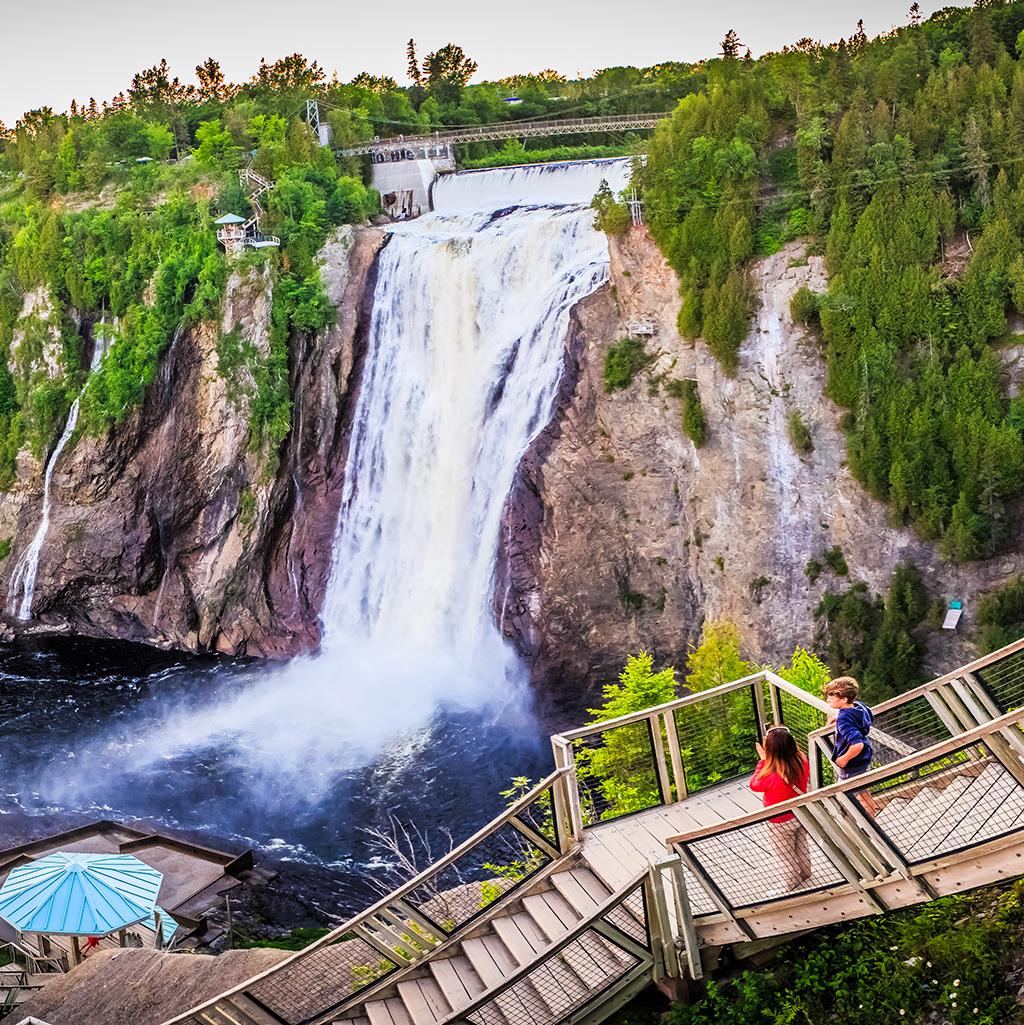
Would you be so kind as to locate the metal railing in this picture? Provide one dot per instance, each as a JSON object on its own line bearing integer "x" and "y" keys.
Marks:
{"x": 623, "y": 941}
{"x": 896, "y": 821}
{"x": 472, "y": 882}
{"x": 662, "y": 755}
{"x": 508, "y": 130}
{"x": 935, "y": 711}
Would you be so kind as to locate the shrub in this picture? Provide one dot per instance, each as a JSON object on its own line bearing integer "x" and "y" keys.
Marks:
{"x": 799, "y": 434}
{"x": 612, "y": 215}
{"x": 624, "y": 360}
{"x": 1001, "y": 616}
{"x": 834, "y": 559}
{"x": 804, "y": 306}
{"x": 694, "y": 424}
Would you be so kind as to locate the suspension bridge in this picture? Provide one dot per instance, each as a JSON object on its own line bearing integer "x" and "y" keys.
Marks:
{"x": 418, "y": 147}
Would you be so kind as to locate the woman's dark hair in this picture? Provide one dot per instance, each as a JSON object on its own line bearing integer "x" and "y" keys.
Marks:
{"x": 781, "y": 755}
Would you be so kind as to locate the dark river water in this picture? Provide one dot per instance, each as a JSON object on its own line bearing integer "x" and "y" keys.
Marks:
{"x": 85, "y": 736}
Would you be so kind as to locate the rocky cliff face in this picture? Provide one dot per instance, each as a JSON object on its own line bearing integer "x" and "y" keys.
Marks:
{"x": 621, "y": 535}
{"x": 171, "y": 530}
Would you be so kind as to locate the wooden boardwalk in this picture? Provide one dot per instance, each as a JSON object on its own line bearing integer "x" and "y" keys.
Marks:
{"x": 631, "y": 865}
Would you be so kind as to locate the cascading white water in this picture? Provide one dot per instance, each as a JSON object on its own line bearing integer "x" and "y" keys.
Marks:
{"x": 23, "y": 579}
{"x": 465, "y": 350}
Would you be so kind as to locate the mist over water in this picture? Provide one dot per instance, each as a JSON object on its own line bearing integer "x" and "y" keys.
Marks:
{"x": 415, "y": 700}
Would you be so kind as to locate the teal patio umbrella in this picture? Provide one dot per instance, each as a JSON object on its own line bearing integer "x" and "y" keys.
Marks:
{"x": 69, "y": 894}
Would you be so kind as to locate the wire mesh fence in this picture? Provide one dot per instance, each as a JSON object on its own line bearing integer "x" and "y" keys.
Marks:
{"x": 461, "y": 890}
{"x": 947, "y": 805}
{"x": 903, "y": 729}
{"x": 1004, "y": 680}
{"x": 616, "y": 772}
{"x": 764, "y": 861}
{"x": 321, "y": 980}
{"x": 717, "y": 737}
{"x": 801, "y": 717}
{"x": 566, "y": 982}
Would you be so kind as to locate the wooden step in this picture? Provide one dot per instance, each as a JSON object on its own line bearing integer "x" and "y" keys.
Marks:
{"x": 597, "y": 958}
{"x": 552, "y": 913}
{"x": 388, "y": 1011}
{"x": 457, "y": 979}
{"x": 559, "y": 987}
{"x": 494, "y": 964}
{"x": 424, "y": 1000}
{"x": 582, "y": 889}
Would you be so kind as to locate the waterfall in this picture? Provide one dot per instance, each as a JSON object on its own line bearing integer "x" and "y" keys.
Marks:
{"x": 23, "y": 579}
{"x": 466, "y": 344}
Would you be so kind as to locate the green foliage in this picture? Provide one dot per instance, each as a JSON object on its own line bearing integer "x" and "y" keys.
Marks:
{"x": 623, "y": 361}
{"x": 878, "y": 642}
{"x": 900, "y": 142}
{"x": 799, "y": 433}
{"x": 948, "y": 961}
{"x": 621, "y": 771}
{"x": 833, "y": 558}
{"x": 5, "y": 547}
{"x": 694, "y": 425}
{"x": 513, "y": 155}
{"x": 612, "y": 214}
{"x": 805, "y": 305}
{"x": 716, "y": 660}
{"x": 1001, "y": 616}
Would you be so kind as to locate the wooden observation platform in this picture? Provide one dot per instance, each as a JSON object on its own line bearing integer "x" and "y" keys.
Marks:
{"x": 644, "y": 854}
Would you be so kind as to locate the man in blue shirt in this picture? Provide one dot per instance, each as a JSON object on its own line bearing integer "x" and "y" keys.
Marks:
{"x": 853, "y": 751}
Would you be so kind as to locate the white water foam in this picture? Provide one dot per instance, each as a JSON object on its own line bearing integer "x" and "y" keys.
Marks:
{"x": 465, "y": 351}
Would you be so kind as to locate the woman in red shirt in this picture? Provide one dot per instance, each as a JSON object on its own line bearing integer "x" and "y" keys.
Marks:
{"x": 782, "y": 774}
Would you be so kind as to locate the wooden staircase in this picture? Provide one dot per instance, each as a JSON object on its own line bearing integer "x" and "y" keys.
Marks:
{"x": 610, "y": 895}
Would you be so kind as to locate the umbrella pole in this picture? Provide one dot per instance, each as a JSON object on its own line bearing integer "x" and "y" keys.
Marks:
{"x": 76, "y": 951}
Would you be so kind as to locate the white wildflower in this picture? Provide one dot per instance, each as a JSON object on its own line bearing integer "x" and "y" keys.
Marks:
{"x": 956, "y": 982}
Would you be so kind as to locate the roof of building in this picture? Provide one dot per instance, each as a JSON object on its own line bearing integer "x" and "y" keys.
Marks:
{"x": 230, "y": 219}
{"x": 69, "y": 893}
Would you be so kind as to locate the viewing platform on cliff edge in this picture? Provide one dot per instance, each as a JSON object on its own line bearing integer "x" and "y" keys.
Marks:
{"x": 644, "y": 855}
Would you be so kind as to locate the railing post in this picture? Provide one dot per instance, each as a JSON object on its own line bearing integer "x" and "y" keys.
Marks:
{"x": 658, "y": 748}
{"x": 776, "y": 701}
{"x": 569, "y": 814}
{"x": 687, "y": 925}
{"x": 675, "y": 755}
{"x": 757, "y": 689}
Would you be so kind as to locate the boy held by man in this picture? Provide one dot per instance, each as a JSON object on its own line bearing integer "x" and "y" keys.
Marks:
{"x": 853, "y": 751}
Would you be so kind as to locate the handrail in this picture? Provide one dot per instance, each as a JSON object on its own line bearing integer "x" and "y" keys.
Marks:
{"x": 396, "y": 895}
{"x": 614, "y": 901}
{"x": 923, "y": 689}
{"x": 859, "y": 782}
{"x": 514, "y": 128}
{"x": 691, "y": 699}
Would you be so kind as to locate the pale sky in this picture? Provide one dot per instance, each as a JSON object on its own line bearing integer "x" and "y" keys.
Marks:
{"x": 53, "y": 50}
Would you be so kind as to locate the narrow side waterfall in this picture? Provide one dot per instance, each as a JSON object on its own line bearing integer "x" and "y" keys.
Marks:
{"x": 23, "y": 579}
{"x": 465, "y": 350}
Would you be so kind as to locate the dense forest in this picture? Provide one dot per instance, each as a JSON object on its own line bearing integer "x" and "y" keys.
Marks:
{"x": 106, "y": 215}
{"x": 900, "y": 159}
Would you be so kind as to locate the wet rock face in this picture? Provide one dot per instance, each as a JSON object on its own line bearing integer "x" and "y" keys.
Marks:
{"x": 620, "y": 535}
{"x": 171, "y": 530}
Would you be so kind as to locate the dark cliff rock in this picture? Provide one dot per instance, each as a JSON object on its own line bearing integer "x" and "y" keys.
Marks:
{"x": 171, "y": 530}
